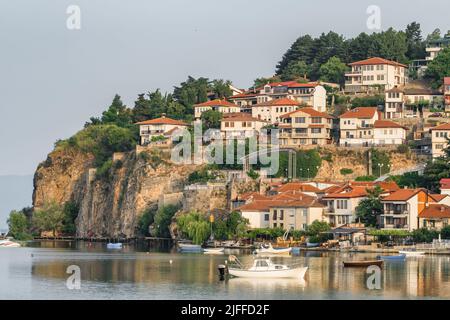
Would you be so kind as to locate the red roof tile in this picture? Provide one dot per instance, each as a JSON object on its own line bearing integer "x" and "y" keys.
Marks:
{"x": 375, "y": 61}
{"x": 215, "y": 103}
{"x": 444, "y": 126}
{"x": 402, "y": 194}
{"x": 278, "y": 102}
{"x": 163, "y": 120}
{"x": 435, "y": 211}
{"x": 388, "y": 124}
{"x": 360, "y": 113}
{"x": 308, "y": 110}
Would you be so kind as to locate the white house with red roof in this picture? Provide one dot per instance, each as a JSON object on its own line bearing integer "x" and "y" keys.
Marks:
{"x": 357, "y": 126}
{"x": 161, "y": 127}
{"x": 445, "y": 186}
{"x": 386, "y": 132}
{"x": 305, "y": 126}
{"x": 306, "y": 94}
{"x": 394, "y": 107}
{"x": 241, "y": 126}
{"x": 220, "y": 105}
{"x": 439, "y": 139}
{"x": 373, "y": 72}
{"x": 272, "y": 110}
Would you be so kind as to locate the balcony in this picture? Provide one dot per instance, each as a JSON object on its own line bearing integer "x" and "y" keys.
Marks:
{"x": 353, "y": 73}
{"x": 395, "y": 226}
{"x": 152, "y": 132}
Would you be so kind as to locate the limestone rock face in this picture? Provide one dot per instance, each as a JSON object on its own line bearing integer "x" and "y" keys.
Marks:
{"x": 110, "y": 206}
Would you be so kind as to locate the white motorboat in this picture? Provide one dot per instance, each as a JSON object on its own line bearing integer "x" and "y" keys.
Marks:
{"x": 213, "y": 251}
{"x": 412, "y": 253}
{"x": 265, "y": 268}
{"x": 271, "y": 250}
{"x": 187, "y": 247}
{"x": 116, "y": 246}
{"x": 9, "y": 244}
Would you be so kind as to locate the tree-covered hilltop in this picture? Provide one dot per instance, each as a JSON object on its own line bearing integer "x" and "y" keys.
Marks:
{"x": 320, "y": 58}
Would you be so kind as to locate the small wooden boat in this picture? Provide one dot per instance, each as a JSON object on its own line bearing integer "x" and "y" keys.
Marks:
{"x": 115, "y": 246}
{"x": 397, "y": 257}
{"x": 265, "y": 269}
{"x": 187, "y": 247}
{"x": 412, "y": 253}
{"x": 363, "y": 263}
{"x": 213, "y": 251}
{"x": 312, "y": 244}
{"x": 271, "y": 250}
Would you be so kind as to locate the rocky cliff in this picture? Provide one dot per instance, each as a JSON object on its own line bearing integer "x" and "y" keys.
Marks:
{"x": 110, "y": 205}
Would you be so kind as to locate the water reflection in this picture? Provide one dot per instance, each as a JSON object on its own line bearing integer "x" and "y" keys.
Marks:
{"x": 135, "y": 270}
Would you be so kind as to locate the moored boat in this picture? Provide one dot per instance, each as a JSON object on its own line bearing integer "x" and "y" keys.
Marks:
{"x": 9, "y": 244}
{"x": 412, "y": 253}
{"x": 188, "y": 247}
{"x": 397, "y": 257}
{"x": 213, "y": 251}
{"x": 266, "y": 269}
{"x": 363, "y": 263}
{"x": 272, "y": 250}
{"x": 111, "y": 245}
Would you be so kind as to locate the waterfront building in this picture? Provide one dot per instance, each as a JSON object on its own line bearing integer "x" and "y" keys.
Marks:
{"x": 403, "y": 207}
{"x": 435, "y": 216}
{"x": 374, "y": 73}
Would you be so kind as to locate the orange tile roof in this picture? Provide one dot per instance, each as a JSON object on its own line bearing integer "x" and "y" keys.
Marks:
{"x": 360, "y": 113}
{"x": 375, "y": 61}
{"x": 291, "y": 84}
{"x": 298, "y": 186}
{"x": 403, "y": 194}
{"x": 257, "y": 205}
{"x": 387, "y": 124}
{"x": 278, "y": 102}
{"x": 435, "y": 211}
{"x": 355, "y": 192}
{"x": 216, "y": 102}
{"x": 303, "y": 203}
{"x": 241, "y": 117}
{"x": 163, "y": 120}
{"x": 444, "y": 126}
{"x": 438, "y": 197}
{"x": 252, "y": 195}
{"x": 244, "y": 95}
{"x": 308, "y": 110}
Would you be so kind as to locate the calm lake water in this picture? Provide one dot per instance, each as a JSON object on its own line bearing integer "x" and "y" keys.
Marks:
{"x": 39, "y": 272}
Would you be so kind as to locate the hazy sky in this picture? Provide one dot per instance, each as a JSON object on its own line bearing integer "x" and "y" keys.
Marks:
{"x": 53, "y": 79}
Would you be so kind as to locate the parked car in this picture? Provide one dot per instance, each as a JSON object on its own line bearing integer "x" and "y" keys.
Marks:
{"x": 435, "y": 115}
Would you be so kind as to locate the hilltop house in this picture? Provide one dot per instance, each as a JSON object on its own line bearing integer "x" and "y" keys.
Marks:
{"x": 447, "y": 94}
{"x": 356, "y": 126}
{"x": 439, "y": 141}
{"x": 435, "y": 46}
{"x": 272, "y": 110}
{"x": 394, "y": 103}
{"x": 387, "y": 132}
{"x": 159, "y": 129}
{"x": 305, "y": 126}
{"x": 375, "y": 72}
{"x": 240, "y": 126}
{"x": 220, "y": 105}
{"x": 312, "y": 94}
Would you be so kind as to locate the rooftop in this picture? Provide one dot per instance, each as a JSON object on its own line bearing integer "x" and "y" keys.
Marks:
{"x": 308, "y": 110}
{"x": 388, "y": 124}
{"x": 377, "y": 60}
{"x": 360, "y": 113}
{"x": 278, "y": 102}
{"x": 163, "y": 120}
{"x": 403, "y": 194}
{"x": 435, "y": 211}
{"x": 216, "y": 103}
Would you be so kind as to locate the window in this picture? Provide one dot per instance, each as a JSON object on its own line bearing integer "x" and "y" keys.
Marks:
{"x": 305, "y": 212}
{"x": 274, "y": 225}
{"x": 274, "y": 216}
{"x": 292, "y": 213}
{"x": 304, "y": 226}
{"x": 281, "y": 225}
{"x": 299, "y": 119}
{"x": 227, "y": 124}
{"x": 266, "y": 217}
{"x": 316, "y": 120}
{"x": 316, "y": 130}
{"x": 281, "y": 214}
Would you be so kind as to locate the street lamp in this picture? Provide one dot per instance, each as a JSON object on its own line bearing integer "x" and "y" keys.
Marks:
{"x": 379, "y": 166}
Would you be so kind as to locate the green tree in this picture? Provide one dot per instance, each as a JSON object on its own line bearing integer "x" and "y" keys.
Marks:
{"x": 192, "y": 91}
{"x": 49, "y": 218}
{"x": 18, "y": 225}
{"x": 163, "y": 219}
{"x": 439, "y": 68}
{"x": 390, "y": 44}
{"x": 296, "y": 70}
{"x": 435, "y": 35}
{"x": 333, "y": 71}
{"x": 211, "y": 119}
{"x": 221, "y": 88}
{"x": 415, "y": 43}
{"x": 195, "y": 226}
{"x": 370, "y": 208}
{"x": 147, "y": 218}
{"x": 70, "y": 211}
